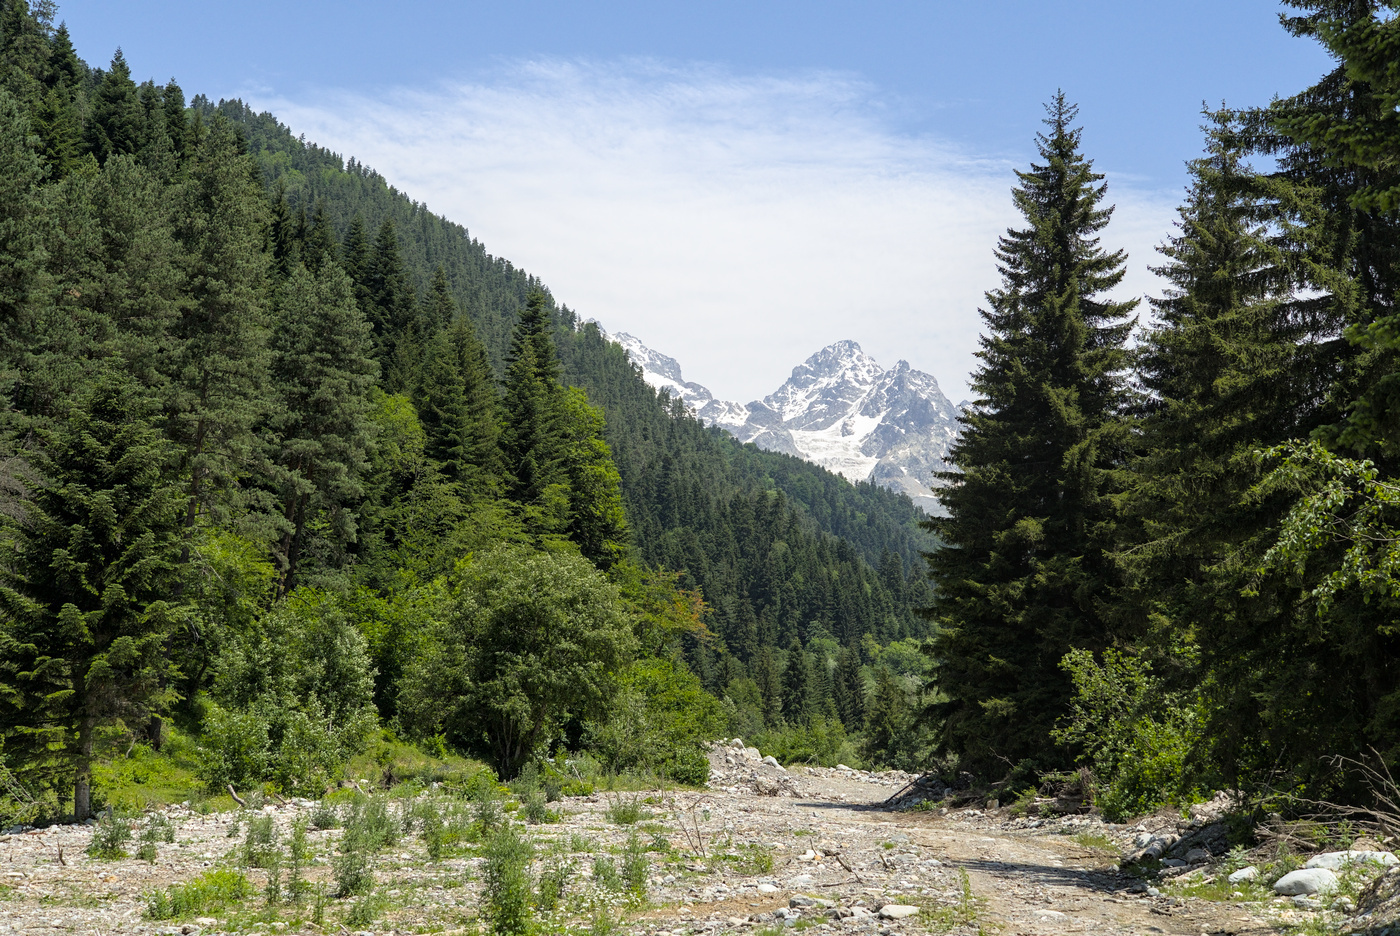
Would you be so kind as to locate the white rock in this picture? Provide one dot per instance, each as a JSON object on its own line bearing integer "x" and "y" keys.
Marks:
{"x": 772, "y": 761}
{"x": 1306, "y": 881}
{"x": 897, "y": 911}
{"x": 843, "y": 767}
{"x": 1244, "y": 874}
{"x": 1337, "y": 860}
{"x": 767, "y": 889}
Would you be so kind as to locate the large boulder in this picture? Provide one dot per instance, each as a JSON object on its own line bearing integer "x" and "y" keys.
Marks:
{"x": 1335, "y": 861}
{"x": 1307, "y": 881}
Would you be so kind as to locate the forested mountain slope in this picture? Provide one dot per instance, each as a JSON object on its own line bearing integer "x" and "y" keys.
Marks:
{"x": 689, "y": 491}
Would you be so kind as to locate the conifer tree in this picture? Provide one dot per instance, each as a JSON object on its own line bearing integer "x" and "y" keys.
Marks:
{"x": 848, "y": 689}
{"x": 117, "y": 123}
{"x": 320, "y": 247}
{"x": 20, "y": 266}
{"x": 458, "y": 408}
{"x": 322, "y": 371}
{"x": 355, "y": 258}
{"x": 393, "y": 311}
{"x": 797, "y": 685}
{"x": 440, "y": 308}
{"x": 1238, "y": 361}
{"x": 219, "y": 360}
{"x": 1025, "y": 565}
{"x": 86, "y": 585}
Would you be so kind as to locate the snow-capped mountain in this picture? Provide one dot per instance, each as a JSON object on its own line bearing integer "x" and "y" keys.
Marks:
{"x": 839, "y": 408}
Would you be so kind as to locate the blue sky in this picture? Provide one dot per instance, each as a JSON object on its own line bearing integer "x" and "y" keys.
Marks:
{"x": 736, "y": 183}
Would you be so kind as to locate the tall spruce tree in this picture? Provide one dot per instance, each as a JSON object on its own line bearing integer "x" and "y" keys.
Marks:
{"x": 218, "y": 362}
{"x": 85, "y": 587}
{"x": 322, "y": 371}
{"x": 1244, "y": 349}
{"x": 1026, "y": 563}
{"x": 458, "y": 407}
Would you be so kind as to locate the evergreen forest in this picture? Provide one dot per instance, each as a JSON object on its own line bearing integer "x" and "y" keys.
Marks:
{"x": 292, "y": 471}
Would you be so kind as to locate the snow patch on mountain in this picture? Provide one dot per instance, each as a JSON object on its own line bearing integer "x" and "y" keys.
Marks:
{"x": 839, "y": 409}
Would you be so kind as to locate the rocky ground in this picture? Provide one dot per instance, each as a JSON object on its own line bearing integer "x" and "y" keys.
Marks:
{"x": 764, "y": 849}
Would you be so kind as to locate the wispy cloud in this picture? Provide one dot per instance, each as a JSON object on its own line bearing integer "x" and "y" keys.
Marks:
{"x": 737, "y": 222}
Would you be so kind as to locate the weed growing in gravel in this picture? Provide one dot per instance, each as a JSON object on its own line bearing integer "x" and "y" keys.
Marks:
{"x": 158, "y": 829}
{"x": 635, "y": 867}
{"x": 111, "y": 834}
{"x": 351, "y": 869}
{"x": 580, "y": 843}
{"x": 553, "y": 883}
{"x": 324, "y": 817}
{"x": 211, "y": 892}
{"x": 749, "y": 859}
{"x": 506, "y": 889}
{"x": 963, "y": 911}
{"x": 1094, "y": 841}
{"x": 605, "y": 874}
{"x": 260, "y": 843}
{"x": 369, "y": 825}
{"x": 626, "y": 810}
{"x": 298, "y": 856}
{"x": 365, "y": 911}
{"x": 535, "y": 810}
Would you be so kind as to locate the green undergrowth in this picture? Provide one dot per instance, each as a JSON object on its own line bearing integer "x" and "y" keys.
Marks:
{"x": 212, "y": 892}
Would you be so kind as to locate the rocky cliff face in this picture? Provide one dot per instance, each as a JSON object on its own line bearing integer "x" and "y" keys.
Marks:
{"x": 839, "y": 409}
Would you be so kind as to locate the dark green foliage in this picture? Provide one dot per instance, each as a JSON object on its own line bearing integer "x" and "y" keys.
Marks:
{"x": 322, "y": 373}
{"x": 88, "y": 578}
{"x": 534, "y": 639}
{"x": 1031, "y": 523}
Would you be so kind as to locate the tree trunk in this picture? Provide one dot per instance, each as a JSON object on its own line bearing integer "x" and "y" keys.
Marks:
{"x": 82, "y": 780}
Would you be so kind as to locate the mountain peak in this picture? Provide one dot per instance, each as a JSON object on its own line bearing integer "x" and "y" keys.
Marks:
{"x": 839, "y": 408}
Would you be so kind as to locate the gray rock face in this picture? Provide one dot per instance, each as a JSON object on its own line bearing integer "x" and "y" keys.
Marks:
{"x": 1306, "y": 881}
{"x": 839, "y": 409}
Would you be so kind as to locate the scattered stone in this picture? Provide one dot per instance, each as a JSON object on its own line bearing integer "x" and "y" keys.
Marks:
{"x": 897, "y": 911}
{"x": 1250, "y": 873}
{"x": 1306, "y": 881}
{"x": 766, "y": 888}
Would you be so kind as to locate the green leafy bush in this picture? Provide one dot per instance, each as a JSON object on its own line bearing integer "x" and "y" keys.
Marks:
{"x": 534, "y": 638}
{"x": 291, "y": 701}
{"x": 112, "y": 832}
{"x": 506, "y": 890}
{"x": 211, "y": 892}
{"x": 823, "y": 741}
{"x": 658, "y": 723}
{"x": 1136, "y": 737}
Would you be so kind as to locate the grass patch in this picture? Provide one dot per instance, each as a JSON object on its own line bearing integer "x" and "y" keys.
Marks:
{"x": 748, "y": 859}
{"x": 1094, "y": 841}
{"x": 141, "y": 778}
{"x": 211, "y": 892}
{"x": 626, "y": 810}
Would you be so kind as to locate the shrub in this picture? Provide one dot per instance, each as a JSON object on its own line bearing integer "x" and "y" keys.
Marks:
{"x": 260, "y": 843}
{"x": 351, "y": 869}
{"x": 658, "y": 723}
{"x": 111, "y": 834}
{"x": 506, "y": 882}
{"x": 211, "y": 892}
{"x": 533, "y": 639}
{"x": 369, "y": 825}
{"x": 291, "y": 701}
{"x": 1136, "y": 737}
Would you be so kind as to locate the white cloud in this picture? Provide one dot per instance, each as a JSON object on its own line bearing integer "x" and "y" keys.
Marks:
{"x": 736, "y": 222}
